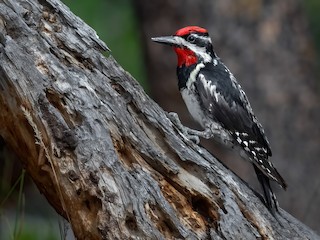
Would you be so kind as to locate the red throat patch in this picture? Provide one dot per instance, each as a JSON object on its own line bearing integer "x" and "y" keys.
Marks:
{"x": 185, "y": 56}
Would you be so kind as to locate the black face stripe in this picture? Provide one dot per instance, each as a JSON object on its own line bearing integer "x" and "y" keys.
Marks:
{"x": 197, "y": 33}
{"x": 199, "y": 39}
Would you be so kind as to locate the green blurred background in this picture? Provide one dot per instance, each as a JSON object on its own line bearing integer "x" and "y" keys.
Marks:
{"x": 116, "y": 24}
{"x": 24, "y": 213}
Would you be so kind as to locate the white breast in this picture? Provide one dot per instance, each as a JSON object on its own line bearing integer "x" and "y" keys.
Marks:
{"x": 190, "y": 98}
{"x": 193, "y": 106}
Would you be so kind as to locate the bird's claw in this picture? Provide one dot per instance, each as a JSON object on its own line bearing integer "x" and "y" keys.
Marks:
{"x": 186, "y": 132}
{"x": 194, "y": 138}
{"x": 174, "y": 118}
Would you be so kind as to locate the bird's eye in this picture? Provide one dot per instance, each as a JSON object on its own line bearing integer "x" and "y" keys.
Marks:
{"x": 191, "y": 38}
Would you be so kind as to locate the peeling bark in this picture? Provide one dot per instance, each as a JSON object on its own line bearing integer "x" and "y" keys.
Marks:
{"x": 105, "y": 155}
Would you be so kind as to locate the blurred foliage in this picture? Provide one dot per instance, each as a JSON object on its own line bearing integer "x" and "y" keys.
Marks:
{"x": 115, "y": 23}
{"x": 24, "y": 213}
{"x": 313, "y": 9}
{"x": 17, "y": 222}
{"x": 32, "y": 229}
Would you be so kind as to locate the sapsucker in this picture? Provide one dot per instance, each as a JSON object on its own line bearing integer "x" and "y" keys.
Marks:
{"x": 217, "y": 102}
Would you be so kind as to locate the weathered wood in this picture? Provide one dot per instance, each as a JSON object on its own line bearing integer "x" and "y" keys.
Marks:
{"x": 105, "y": 155}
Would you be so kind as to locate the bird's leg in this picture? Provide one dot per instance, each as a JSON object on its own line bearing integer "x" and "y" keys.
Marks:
{"x": 219, "y": 134}
{"x": 213, "y": 131}
{"x": 207, "y": 133}
{"x": 186, "y": 132}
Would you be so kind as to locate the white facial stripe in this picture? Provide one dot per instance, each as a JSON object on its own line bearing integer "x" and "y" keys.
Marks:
{"x": 200, "y": 51}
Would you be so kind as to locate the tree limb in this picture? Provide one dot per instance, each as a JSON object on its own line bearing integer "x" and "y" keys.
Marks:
{"x": 105, "y": 155}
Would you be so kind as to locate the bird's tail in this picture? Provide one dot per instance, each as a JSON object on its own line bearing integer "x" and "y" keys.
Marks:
{"x": 270, "y": 198}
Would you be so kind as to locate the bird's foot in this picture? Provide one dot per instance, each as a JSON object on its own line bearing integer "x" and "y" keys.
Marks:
{"x": 187, "y": 133}
{"x": 207, "y": 133}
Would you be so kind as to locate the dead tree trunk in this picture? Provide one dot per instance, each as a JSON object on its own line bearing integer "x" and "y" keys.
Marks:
{"x": 105, "y": 155}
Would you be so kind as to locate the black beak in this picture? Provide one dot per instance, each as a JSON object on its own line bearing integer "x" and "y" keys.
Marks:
{"x": 169, "y": 40}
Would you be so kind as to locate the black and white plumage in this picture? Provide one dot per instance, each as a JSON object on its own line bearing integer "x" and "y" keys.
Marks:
{"x": 217, "y": 102}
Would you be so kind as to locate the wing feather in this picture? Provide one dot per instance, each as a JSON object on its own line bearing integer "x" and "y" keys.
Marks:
{"x": 226, "y": 103}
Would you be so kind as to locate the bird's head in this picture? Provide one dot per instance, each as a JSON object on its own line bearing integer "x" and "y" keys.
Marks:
{"x": 192, "y": 44}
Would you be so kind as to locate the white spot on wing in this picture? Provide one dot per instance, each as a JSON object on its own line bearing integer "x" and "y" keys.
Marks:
{"x": 210, "y": 107}
{"x": 258, "y": 149}
{"x": 209, "y": 87}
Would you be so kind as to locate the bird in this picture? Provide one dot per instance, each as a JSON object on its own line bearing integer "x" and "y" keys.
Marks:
{"x": 215, "y": 100}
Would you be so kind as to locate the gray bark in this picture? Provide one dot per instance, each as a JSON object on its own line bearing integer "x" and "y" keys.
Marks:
{"x": 104, "y": 154}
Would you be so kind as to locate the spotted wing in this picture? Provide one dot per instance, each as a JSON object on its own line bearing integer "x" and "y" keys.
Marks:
{"x": 227, "y": 104}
